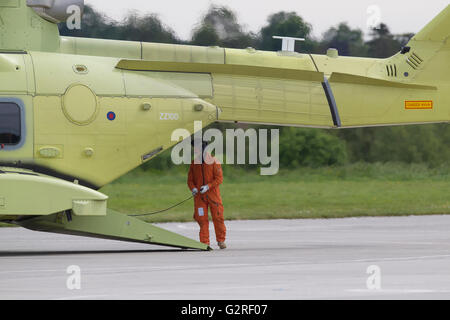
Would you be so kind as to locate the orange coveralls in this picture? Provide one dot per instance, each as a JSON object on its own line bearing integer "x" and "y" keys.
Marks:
{"x": 211, "y": 175}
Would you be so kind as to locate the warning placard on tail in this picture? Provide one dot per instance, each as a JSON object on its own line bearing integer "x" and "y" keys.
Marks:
{"x": 419, "y": 105}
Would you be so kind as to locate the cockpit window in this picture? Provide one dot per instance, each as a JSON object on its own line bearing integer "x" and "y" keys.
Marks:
{"x": 10, "y": 123}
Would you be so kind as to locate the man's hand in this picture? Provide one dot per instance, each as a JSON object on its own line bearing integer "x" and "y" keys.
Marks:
{"x": 204, "y": 189}
{"x": 194, "y": 192}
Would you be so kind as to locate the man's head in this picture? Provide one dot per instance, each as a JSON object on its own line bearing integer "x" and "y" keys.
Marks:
{"x": 199, "y": 147}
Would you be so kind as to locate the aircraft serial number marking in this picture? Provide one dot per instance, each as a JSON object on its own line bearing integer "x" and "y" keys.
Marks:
{"x": 169, "y": 116}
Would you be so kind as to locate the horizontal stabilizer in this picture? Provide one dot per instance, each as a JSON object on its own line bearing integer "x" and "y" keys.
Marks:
{"x": 231, "y": 69}
{"x": 361, "y": 80}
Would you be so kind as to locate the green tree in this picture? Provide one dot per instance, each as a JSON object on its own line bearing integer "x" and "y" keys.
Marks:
{"x": 206, "y": 35}
{"x": 349, "y": 42}
{"x": 409, "y": 144}
{"x": 134, "y": 27}
{"x": 383, "y": 43}
{"x": 310, "y": 147}
{"x": 220, "y": 27}
{"x": 146, "y": 28}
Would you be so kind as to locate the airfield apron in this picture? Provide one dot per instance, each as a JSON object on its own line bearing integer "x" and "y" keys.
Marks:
{"x": 211, "y": 175}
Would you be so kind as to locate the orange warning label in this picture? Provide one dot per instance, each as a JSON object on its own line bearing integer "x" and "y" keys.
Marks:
{"x": 418, "y": 105}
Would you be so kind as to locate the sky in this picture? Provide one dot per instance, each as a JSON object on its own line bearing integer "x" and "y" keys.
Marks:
{"x": 402, "y": 16}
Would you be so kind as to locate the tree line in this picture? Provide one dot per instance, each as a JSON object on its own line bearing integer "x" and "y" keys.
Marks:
{"x": 219, "y": 26}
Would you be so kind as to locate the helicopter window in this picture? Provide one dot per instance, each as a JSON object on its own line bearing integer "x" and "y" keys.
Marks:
{"x": 10, "y": 123}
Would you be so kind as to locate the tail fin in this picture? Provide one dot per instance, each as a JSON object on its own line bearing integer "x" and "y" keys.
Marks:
{"x": 428, "y": 54}
{"x": 438, "y": 30}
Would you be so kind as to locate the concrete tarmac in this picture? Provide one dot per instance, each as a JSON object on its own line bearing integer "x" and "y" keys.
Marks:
{"x": 406, "y": 257}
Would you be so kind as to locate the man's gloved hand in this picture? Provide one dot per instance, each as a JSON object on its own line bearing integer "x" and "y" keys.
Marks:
{"x": 194, "y": 192}
{"x": 204, "y": 189}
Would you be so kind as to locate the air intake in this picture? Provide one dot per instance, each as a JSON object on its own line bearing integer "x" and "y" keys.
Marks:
{"x": 414, "y": 60}
{"x": 391, "y": 70}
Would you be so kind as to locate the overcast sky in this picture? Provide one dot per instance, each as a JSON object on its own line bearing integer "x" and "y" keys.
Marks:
{"x": 182, "y": 15}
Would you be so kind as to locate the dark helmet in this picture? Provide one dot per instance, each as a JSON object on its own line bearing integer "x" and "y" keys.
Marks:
{"x": 197, "y": 142}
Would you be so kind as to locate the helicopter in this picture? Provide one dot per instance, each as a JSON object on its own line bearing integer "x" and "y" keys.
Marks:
{"x": 77, "y": 113}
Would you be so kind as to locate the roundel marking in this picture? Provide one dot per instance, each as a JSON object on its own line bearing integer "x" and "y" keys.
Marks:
{"x": 111, "y": 116}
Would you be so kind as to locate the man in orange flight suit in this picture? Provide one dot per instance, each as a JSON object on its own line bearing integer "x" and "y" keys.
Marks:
{"x": 205, "y": 176}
